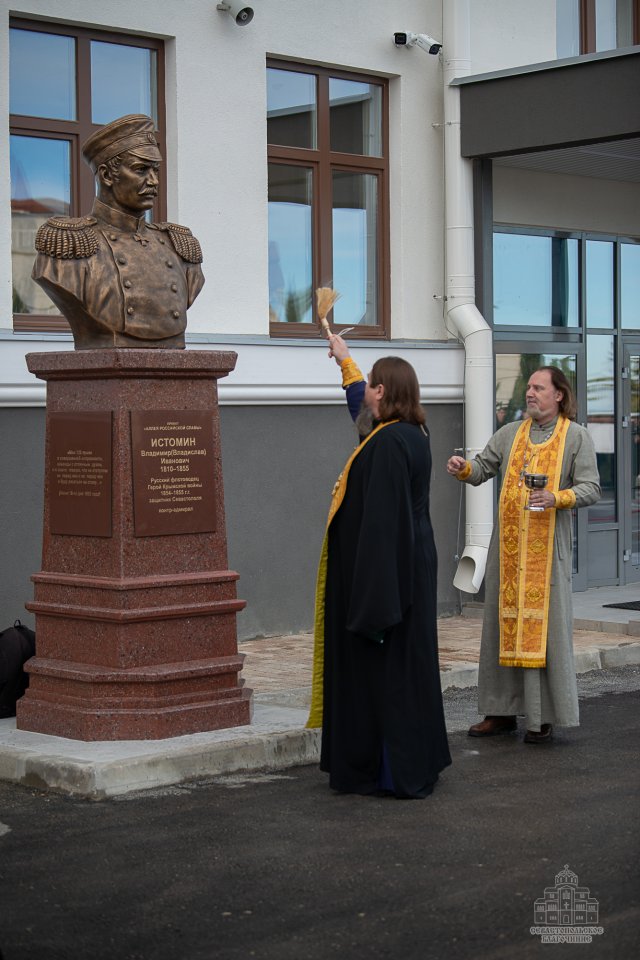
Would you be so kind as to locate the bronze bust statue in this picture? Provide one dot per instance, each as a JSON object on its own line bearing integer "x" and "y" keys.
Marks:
{"x": 119, "y": 280}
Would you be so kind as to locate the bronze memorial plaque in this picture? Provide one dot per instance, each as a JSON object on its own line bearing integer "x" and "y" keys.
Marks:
{"x": 80, "y": 474}
{"x": 173, "y": 472}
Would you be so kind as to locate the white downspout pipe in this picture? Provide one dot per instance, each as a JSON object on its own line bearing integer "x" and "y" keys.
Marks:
{"x": 462, "y": 316}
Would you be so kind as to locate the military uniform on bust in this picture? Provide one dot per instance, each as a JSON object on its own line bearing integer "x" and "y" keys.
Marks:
{"x": 119, "y": 280}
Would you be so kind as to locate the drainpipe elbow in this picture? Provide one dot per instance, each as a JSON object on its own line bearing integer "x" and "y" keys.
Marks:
{"x": 471, "y": 568}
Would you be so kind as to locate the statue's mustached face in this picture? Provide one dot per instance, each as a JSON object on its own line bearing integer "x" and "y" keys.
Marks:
{"x": 135, "y": 186}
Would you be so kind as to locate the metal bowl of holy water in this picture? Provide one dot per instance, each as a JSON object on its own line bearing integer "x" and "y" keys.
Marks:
{"x": 535, "y": 481}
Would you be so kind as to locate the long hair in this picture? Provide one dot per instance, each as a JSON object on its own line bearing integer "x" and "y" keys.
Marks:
{"x": 568, "y": 406}
{"x": 401, "y": 399}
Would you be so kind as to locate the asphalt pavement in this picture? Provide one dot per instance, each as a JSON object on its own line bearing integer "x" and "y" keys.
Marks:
{"x": 278, "y": 670}
{"x": 275, "y": 865}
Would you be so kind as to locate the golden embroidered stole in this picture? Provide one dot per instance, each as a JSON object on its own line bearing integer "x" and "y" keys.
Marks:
{"x": 339, "y": 490}
{"x": 526, "y": 549}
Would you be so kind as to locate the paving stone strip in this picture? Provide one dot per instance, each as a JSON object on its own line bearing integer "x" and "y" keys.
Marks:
{"x": 285, "y": 663}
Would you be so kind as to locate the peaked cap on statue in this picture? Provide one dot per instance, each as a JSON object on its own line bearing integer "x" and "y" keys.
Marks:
{"x": 131, "y": 134}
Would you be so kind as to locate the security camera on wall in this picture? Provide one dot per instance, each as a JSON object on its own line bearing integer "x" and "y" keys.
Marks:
{"x": 422, "y": 40}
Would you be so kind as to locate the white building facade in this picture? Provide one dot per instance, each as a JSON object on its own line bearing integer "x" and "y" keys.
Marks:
{"x": 308, "y": 148}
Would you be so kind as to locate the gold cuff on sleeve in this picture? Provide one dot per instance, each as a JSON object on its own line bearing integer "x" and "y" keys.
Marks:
{"x": 565, "y": 499}
{"x": 350, "y": 372}
{"x": 464, "y": 473}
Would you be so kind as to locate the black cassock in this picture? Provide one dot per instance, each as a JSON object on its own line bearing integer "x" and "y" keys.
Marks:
{"x": 382, "y": 701}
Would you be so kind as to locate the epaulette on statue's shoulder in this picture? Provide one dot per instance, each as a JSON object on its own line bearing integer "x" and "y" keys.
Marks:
{"x": 67, "y": 238}
{"x": 187, "y": 246}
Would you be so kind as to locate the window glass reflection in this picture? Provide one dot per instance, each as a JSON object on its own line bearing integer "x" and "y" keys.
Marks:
{"x": 290, "y": 247}
{"x": 634, "y": 460}
{"x": 512, "y": 375}
{"x": 535, "y": 280}
{"x": 599, "y": 283}
{"x": 291, "y": 108}
{"x": 355, "y": 247}
{"x": 601, "y": 422}
{"x": 356, "y": 117}
{"x": 42, "y": 75}
{"x": 630, "y": 284}
{"x": 40, "y": 187}
{"x": 624, "y": 23}
{"x": 613, "y": 24}
{"x": 122, "y": 81}
{"x": 567, "y": 28}
{"x": 606, "y": 33}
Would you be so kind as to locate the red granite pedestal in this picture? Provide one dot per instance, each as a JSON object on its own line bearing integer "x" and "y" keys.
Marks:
{"x": 135, "y": 607}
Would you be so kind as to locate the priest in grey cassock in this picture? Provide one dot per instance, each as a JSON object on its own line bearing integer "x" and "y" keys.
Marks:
{"x": 526, "y": 654}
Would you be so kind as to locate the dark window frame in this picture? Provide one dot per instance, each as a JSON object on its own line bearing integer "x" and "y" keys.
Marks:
{"x": 323, "y": 162}
{"x": 75, "y": 132}
{"x": 588, "y": 25}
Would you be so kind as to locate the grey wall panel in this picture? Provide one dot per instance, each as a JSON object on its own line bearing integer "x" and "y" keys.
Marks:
{"x": 551, "y": 106}
{"x": 280, "y": 464}
{"x": 21, "y": 483}
{"x": 447, "y": 501}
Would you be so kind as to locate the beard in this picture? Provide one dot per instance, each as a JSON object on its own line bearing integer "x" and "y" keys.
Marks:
{"x": 532, "y": 412}
{"x": 364, "y": 421}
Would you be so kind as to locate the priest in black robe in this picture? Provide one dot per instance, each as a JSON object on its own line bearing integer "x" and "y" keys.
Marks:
{"x": 376, "y": 691}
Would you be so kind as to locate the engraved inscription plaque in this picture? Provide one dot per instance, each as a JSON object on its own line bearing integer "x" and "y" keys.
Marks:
{"x": 173, "y": 472}
{"x": 80, "y": 474}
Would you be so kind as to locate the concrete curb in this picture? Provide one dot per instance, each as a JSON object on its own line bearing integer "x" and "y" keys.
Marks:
{"x": 276, "y": 740}
{"x": 630, "y": 627}
{"x": 601, "y": 658}
{"x": 625, "y": 654}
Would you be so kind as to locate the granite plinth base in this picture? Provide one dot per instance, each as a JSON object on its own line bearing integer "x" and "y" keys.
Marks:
{"x": 135, "y": 621}
{"x": 135, "y": 613}
{"x": 82, "y": 701}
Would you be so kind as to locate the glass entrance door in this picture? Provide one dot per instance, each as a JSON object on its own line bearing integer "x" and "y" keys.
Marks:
{"x": 631, "y": 462}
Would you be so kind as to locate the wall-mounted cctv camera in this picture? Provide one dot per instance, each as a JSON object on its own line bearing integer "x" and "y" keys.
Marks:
{"x": 422, "y": 40}
{"x": 241, "y": 13}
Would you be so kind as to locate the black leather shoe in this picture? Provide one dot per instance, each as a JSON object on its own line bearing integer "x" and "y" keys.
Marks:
{"x": 490, "y": 726}
{"x": 543, "y": 735}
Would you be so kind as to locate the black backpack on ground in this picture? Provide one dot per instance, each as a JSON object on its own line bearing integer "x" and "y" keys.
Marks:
{"x": 17, "y": 645}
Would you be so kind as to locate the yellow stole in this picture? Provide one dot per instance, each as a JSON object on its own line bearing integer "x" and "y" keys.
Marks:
{"x": 339, "y": 490}
{"x": 526, "y": 549}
